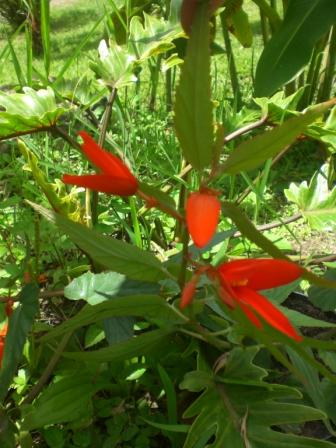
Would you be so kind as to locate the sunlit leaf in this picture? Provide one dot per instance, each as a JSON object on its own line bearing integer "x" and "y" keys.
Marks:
{"x": 316, "y": 202}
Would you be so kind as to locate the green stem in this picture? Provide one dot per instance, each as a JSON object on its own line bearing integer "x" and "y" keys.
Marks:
{"x": 231, "y": 63}
{"x": 329, "y": 68}
{"x": 101, "y": 142}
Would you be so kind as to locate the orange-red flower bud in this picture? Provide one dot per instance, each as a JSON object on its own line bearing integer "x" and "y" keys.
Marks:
{"x": 202, "y": 214}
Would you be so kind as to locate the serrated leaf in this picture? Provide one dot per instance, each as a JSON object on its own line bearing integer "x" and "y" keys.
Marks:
{"x": 28, "y": 111}
{"x": 193, "y": 107}
{"x": 137, "y": 346}
{"x": 253, "y": 152}
{"x": 63, "y": 401}
{"x": 19, "y": 325}
{"x": 153, "y": 308}
{"x": 316, "y": 202}
{"x": 109, "y": 252}
{"x": 114, "y": 66}
{"x": 290, "y": 48}
{"x": 97, "y": 288}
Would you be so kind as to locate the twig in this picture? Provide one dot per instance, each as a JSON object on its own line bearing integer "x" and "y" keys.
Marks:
{"x": 272, "y": 225}
{"x": 101, "y": 142}
{"x": 72, "y": 142}
{"x": 245, "y": 129}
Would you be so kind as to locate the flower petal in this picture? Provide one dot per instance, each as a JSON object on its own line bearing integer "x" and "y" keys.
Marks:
{"x": 260, "y": 273}
{"x": 104, "y": 183}
{"x": 266, "y": 310}
{"x": 188, "y": 293}
{"x": 202, "y": 214}
{"x": 107, "y": 162}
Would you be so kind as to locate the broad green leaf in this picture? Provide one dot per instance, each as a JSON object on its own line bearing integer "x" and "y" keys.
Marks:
{"x": 323, "y": 298}
{"x": 153, "y": 37}
{"x": 97, "y": 288}
{"x": 253, "y": 152}
{"x": 114, "y": 66}
{"x": 66, "y": 204}
{"x": 290, "y": 48}
{"x": 27, "y": 112}
{"x": 63, "y": 401}
{"x": 249, "y": 231}
{"x": 19, "y": 325}
{"x": 137, "y": 346}
{"x": 109, "y": 252}
{"x": 153, "y": 308}
{"x": 118, "y": 329}
{"x": 240, "y": 415}
{"x": 193, "y": 107}
{"x": 316, "y": 202}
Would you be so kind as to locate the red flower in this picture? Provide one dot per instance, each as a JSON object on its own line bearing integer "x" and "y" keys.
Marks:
{"x": 202, "y": 214}
{"x": 240, "y": 280}
{"x": 115, "y": 177}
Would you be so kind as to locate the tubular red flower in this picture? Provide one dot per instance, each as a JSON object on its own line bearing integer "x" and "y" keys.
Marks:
{"x": 202, "y": 215}
{"x": 115, "y": 177}
{"x": 240, "y": 280}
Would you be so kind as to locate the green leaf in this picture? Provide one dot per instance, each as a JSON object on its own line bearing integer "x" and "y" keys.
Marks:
{"x": 115, "y": 65}
{"x": 315, "y": 201}
{"x": 63, "y": 401}
{"x": 240, "y": 415}
{"x": 167, "y": 427}
{"x": 253, "y": 152}
{"x": 290, "y": 48}
{"x": 302, "y": 320}
{"x": 109, "y": 252}
{"x": 118, "y": 329}
{"x": 153, "y": 38}
{"x": 323, "y": 298}
{"x": 137, "y": 346}
{"x": 249, "y": 231}
{"x": 193, "y": 107}
{"x": 62, "y": 202}
{"x": 97, "y": 288}
{"x": 153, "y": 308}
{"x": 239, "y": 25}
{"x": 19, "y": 325}
{"x": 28, "y": 111}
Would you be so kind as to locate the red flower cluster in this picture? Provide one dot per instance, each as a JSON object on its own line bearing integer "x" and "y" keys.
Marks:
{"x": 114, "y": 178}
{"x": 202, "y": 215}
{"x": 239, "y": 283}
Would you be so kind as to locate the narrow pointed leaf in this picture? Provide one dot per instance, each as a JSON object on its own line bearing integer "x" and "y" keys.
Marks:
{"x": 109, "y": 252}
{"x": 193, "y": 108}
{"x": 305, "y": 22}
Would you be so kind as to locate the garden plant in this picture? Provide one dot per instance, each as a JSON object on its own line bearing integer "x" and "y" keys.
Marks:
{"x": 167, "y": 224}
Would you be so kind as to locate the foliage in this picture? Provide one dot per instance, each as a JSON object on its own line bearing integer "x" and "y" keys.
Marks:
{"x": 147, "y": 310}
